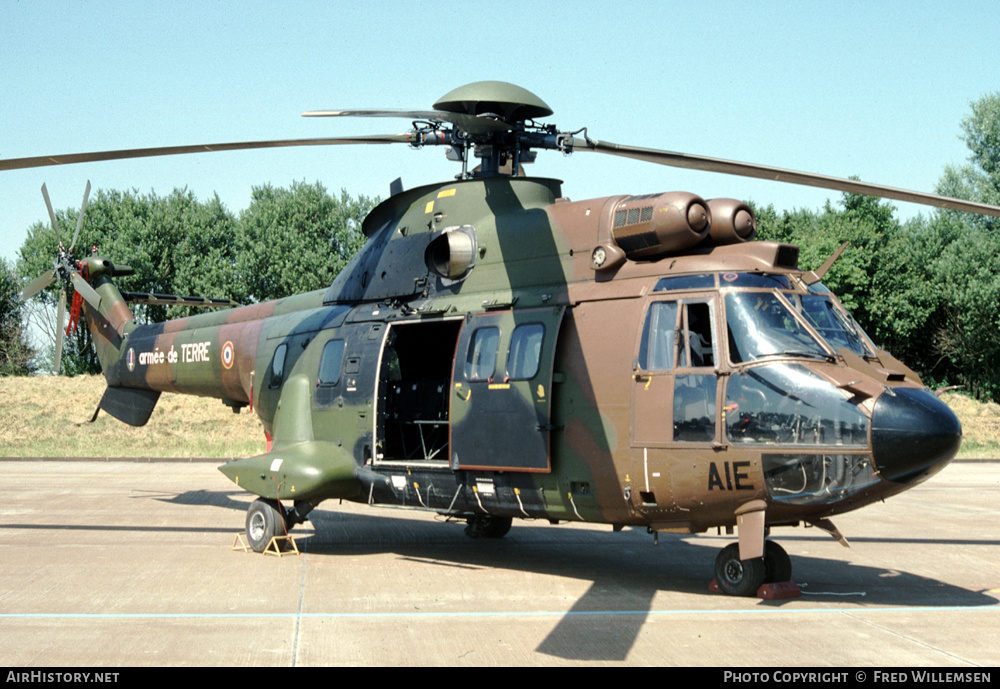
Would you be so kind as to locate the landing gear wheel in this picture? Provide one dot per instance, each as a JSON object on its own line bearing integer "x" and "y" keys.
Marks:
{"x": 777, "y": 565}
{"x": 264, "y": 522}
{"x": 738, "y": 577}
{"x": 488, "y": 526}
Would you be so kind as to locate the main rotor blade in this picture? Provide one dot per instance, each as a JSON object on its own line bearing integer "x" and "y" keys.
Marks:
{"x": 469, "y": 123}
{"x": 86, "y": 291}
{"x": 97, "y": 156}
{"x": 60, "y": 317}
{"x": 37, "y": 285}
{"x": 732, "y": 167}
{"x": 52, "y": 214}
{"x": 79, "y": 220}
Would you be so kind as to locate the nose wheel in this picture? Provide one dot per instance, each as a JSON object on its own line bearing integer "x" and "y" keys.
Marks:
{"x": 264, "y": 522}
{"x": 738, "y": 577}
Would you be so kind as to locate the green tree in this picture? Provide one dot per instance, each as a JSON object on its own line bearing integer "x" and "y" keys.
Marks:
{"x": 296, "y": 240}
{"x": 175, "y": 244}
{"x": 964, "y": 259}
{"x": 15, "y": 352}
{"x": 979, "y": 179}
{"x": 867, "y": 224}
{"x": 967, "y": 328}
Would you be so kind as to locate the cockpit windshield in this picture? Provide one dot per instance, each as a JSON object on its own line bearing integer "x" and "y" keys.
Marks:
{"x": 760, "y": 325}
{"x": 830, "y": 322}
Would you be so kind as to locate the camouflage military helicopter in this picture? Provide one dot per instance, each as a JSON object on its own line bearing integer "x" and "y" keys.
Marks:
{"x": 497, "y": 351}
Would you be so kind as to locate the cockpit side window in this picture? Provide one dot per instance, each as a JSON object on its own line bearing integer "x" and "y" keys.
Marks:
{"x": 697, "y": 336}
{"x": 677, "y": 335}
{"x": 659, "y": 337}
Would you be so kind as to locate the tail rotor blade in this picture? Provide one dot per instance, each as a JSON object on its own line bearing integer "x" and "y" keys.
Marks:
{"x": 37, "y": 285}
{"x": 60, "y": 317}
{"x": 52, "y": 214}
{"x": 86, "y": 291}
{"x": 79, "y": 220}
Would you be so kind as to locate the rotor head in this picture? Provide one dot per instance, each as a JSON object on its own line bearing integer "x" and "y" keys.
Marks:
{"x": 509, "y": 102}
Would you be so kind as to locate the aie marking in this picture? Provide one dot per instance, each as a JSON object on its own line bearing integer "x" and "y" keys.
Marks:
{"x": 735, "y": 478}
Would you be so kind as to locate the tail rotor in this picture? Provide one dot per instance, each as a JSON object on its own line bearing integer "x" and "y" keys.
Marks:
{"x": 67, "y": 270}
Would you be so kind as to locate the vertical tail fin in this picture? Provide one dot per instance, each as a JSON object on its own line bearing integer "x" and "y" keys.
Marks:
{"x": 110, "y": 320}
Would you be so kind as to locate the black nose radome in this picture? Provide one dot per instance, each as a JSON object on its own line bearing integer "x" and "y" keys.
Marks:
{"x": 914, "y": 435}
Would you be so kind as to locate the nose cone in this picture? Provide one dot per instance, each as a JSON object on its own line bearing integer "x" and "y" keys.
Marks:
{"x": 914, "y": 435}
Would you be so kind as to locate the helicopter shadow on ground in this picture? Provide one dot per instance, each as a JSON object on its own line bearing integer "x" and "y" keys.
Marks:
{"x": 626, "y": 573}
{"x": 219, "y": 498}
{"x": 624, "y": 570}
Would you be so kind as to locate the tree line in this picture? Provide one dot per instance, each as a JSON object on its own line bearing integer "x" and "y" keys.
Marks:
{"x": 927, "y": 290}
{"x": 289, "y": 240}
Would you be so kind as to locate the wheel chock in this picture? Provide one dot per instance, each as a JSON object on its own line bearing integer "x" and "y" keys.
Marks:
{"x": 278, "y": 545}
{"x": 273, "y": 547}
{"x": 779, "y": 590}
{"x": 776, "y": 591}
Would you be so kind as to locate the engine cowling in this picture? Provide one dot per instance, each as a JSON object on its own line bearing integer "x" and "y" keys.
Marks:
{"x": 646, "y": 227}
{"x": 733, "y": 222}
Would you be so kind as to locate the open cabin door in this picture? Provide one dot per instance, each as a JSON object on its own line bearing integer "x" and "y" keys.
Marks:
{"x": 501, "y": 395}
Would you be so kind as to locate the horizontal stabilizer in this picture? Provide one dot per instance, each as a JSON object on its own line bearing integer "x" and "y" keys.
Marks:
{"x": 129, "y": 405}
{"x": 174, "y": 300}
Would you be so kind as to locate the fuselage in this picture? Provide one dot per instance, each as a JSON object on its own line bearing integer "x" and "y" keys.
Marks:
{"x": 497, "y": 349}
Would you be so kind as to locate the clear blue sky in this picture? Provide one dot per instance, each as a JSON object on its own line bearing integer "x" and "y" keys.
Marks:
{"x": 873, "y": 89}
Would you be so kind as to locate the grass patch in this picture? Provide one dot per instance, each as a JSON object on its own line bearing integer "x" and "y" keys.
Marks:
{"x": 45, "y": 416}
{"x": 980, "y": 425}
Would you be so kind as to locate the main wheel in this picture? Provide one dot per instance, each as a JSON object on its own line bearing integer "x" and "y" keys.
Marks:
{"x": 488, "y": 526}
{"x": 777, "y": 565}
{"x": 264, "y": 522}
{"x": 738, "y": 577}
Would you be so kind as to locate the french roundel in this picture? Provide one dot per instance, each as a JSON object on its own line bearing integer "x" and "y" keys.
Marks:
{"x": 228, "y": 355}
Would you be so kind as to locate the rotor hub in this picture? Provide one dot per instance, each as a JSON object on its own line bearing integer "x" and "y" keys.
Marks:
{"x": 509, "y": 102}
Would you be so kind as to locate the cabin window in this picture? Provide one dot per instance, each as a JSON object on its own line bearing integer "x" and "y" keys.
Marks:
{"x": 330, "y": 362}
{"x": 278, "y": 367}
{"x": 525, "y": 351}
{"x": 481, "y": 361}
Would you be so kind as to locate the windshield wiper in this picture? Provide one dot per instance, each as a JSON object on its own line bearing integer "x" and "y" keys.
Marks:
{"x": 808, "y": 355}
